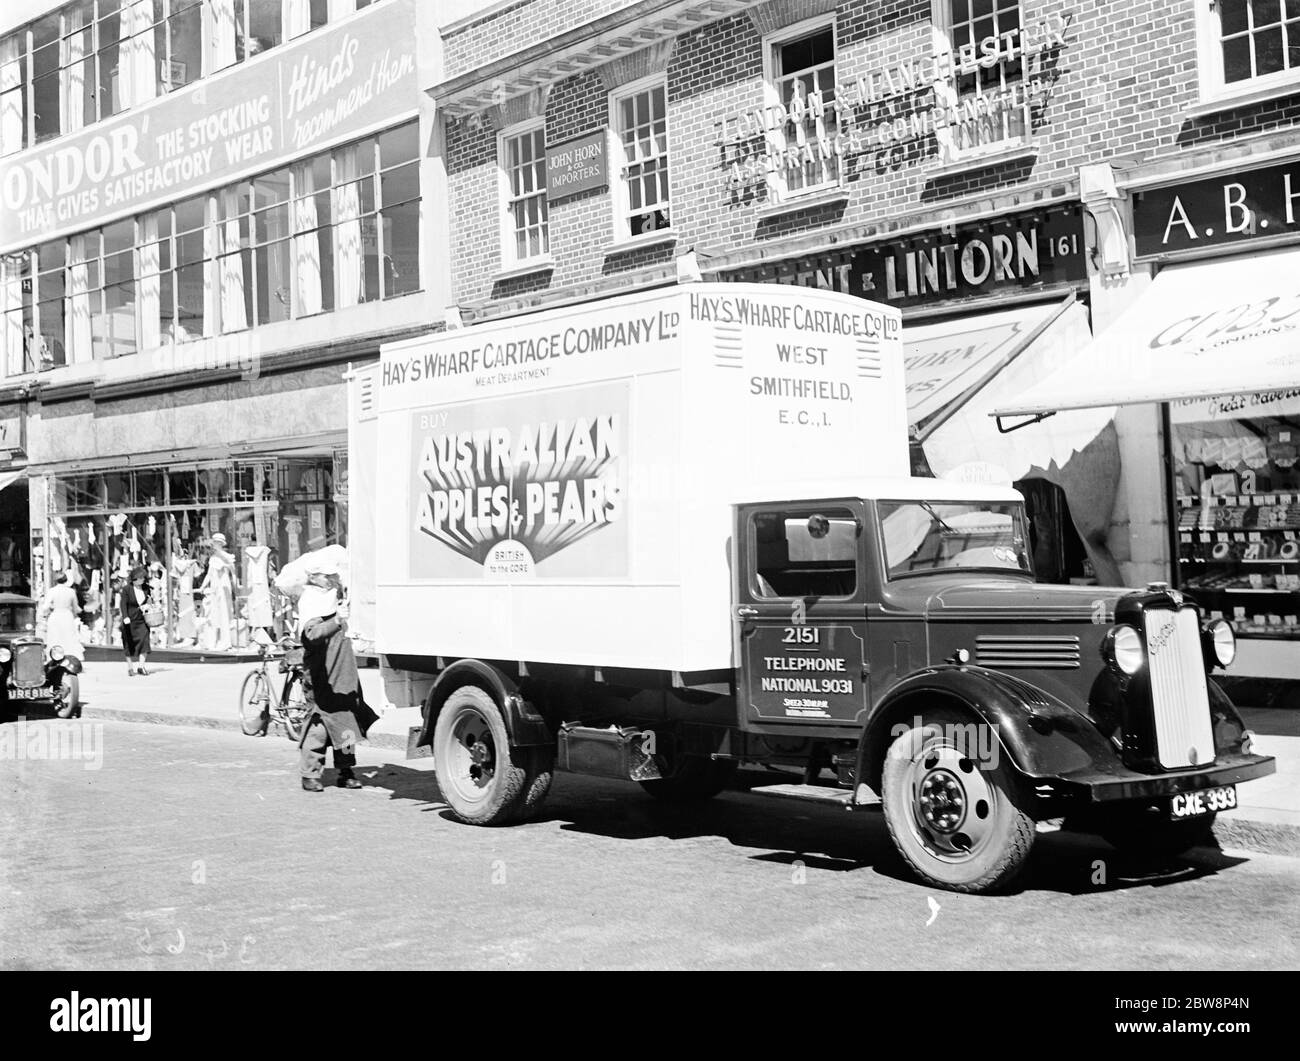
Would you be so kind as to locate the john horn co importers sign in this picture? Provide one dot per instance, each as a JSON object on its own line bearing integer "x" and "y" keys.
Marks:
{"x": 1235, "y": 208}
{"x": 334, "y": 83}
{"x": 577, "y": 166}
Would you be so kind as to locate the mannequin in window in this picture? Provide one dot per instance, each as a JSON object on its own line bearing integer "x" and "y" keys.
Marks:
{"x": 219, "y": 595}
{"x": 184, "y": 571}
{"x": 257, "y": 579}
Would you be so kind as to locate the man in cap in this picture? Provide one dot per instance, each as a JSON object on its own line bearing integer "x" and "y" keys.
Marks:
{"x": 339, "y": 714}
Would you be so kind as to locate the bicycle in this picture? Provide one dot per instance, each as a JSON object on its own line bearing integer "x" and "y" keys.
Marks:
{"x": 259, "y": 707}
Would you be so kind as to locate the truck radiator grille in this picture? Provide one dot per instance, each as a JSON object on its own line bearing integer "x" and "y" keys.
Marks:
{"x": 1001, "y": 651}
{"x": 1179, "y": 699}
{"x": 28, "y": 665}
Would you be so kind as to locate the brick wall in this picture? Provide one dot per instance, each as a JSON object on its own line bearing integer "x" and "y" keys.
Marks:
{"x": 1119, "y": 90}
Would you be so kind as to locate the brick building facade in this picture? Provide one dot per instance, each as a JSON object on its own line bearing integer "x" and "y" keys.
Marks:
{"x": 978, "y": 162}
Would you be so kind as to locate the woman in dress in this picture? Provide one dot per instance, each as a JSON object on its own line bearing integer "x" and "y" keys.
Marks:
{"x": 63, "y": 618}
{"x": 135, "y": 596}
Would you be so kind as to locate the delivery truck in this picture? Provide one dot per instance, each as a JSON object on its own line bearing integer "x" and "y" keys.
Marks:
{"x": 671, "y": 533}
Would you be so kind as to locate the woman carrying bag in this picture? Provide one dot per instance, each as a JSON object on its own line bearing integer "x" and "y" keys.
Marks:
{"x": 138, "y": 614}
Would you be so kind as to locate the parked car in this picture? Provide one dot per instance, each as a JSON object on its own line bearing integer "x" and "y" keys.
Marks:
{"x": 35, "y": 675}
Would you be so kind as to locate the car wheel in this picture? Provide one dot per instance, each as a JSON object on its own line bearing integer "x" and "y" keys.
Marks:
{"x": 475, "y": 765}
{"x": 956, "y": 822}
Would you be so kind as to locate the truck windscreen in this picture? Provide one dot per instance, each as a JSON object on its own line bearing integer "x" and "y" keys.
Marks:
{"x": 927, "y": 536}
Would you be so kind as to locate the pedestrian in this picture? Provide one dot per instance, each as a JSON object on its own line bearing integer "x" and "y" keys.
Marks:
{"x": 63, "y": 618}
{"x": 132, "y": 601}
{"x": 339, "y": 715}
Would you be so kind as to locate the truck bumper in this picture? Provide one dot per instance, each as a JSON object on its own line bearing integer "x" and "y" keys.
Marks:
{"x": 1097, "y": 787}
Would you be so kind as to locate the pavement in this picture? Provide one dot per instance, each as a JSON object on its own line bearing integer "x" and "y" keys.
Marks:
{"x": 138, "y": 847}
{"x": 206, "y": 695}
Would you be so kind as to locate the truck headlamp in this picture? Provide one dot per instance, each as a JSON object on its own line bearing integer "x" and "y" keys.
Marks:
{"x": 1220, "y": 642}
{"x": 1122, "y": 649}
{"x": 5, "y": 655}
{"x": 56, "y": 653}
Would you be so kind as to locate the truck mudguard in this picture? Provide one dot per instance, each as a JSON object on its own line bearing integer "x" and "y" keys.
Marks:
{"x": 526, "y": 727}
{"x": 1043, "y": 737}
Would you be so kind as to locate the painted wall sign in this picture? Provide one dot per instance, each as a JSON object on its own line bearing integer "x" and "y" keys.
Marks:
{"x": 885, "y": 108}
{"x": 336, "y": 82}
{"x": 577, "y": 166}
{"x": 1209, "y": 213}
{"x": 522, "y": 487}
{"x": 1036, "y": 249}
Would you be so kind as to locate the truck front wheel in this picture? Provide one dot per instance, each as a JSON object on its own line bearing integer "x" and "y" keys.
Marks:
{"x": 957, "y": 822}
{"x": 472, "y": 759}
{"x": 696, "y": 779}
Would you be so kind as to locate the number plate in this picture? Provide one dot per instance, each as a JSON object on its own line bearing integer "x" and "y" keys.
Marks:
{"x": 1206, "y": 801}
{"x": 39, "y": 693}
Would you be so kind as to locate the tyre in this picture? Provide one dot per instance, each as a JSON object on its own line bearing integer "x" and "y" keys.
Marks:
{"x": 477, "y": 774}
{"x": 296, "y": 708}
{"x": 1152, "y": 836}
{"x": 255, "y": 704}
{"x": 70, "y": 693}
{"x": 696, "y": 779}
{"x": 540, "y": 765}
{"x": 958, "y": 824}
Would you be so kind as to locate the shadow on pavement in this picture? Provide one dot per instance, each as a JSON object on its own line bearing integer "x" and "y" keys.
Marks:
{"x": 818, "y": 837}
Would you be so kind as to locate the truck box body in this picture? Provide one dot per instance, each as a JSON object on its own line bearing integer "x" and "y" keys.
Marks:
{"x": 557, "y": 488}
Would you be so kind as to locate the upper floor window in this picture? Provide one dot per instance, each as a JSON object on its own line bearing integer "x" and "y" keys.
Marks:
{"x": 801, "y": 79}
{"x": 92, "y": 59}
{"x": 1252, "y": 43}
{"x": 988, "y": 100}
{"x": 641, "y": 198}
{"x": 526, "y": 220}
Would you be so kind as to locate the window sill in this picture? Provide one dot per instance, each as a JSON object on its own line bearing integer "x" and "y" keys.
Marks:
{"x": 971, "y": 161}
{"x": 648, "y": 239}
{"x": 825, "y": 197}
{"x": 542, "y": 264}
{"x": 1216, "y": 102}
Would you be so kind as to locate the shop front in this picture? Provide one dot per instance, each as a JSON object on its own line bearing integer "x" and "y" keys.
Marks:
{"x": 1216, "y": 338}
{"x": 15, "y": 525}
{"x": 989, "y": 308}
{"x": 211, "y": 524}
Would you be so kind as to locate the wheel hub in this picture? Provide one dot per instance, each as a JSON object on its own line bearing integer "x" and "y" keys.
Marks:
{"x": 942, "y": 800}
{"x": 952, "y": 801}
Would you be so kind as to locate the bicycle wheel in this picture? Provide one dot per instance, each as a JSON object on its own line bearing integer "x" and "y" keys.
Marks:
{"x": 294, "y": 707}
{"x": 255, "y": 703}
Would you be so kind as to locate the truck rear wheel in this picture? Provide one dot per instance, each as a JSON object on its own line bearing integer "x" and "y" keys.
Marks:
{"x": 696, "y": 779}
{"x": 475, "y": 769}
{"x": 957, "y": 823}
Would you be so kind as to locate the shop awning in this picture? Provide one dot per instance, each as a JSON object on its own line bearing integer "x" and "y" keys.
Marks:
{"x": 7, "y": 479}
{"x": 1209, "y": 330}
{"x": 998, "y": 355}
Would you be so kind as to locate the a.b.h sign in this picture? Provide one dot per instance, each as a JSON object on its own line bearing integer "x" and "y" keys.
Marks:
{"x": 577, "y": 166}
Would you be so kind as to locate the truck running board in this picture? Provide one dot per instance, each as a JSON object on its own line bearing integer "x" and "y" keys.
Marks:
{"x": 839, "y": 797}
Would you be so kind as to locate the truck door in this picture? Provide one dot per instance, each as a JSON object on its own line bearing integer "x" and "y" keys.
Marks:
{"x": 801, "y": 614}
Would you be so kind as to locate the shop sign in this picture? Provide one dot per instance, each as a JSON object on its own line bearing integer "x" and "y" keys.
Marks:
{"x": 577, "y": 166}
{"x": 13, "y": 433}
{"x": 337, "y": 82}
{"x": 892, "y": 106}
{"x": 1217, "y": 211}
{"x": 1037, "y": 249}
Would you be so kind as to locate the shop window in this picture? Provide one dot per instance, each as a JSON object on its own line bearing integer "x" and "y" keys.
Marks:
{"x": 1238, "y": 491}
{"x": 801, "y": 80}
{"x": 987, "y": 99}
{"x": 522, "y": 157}
{"x": 79, "y": 493}
{"x": 641, "y": 194}
{"x": 271, "y": 247}
{"x": 182, "y": 486}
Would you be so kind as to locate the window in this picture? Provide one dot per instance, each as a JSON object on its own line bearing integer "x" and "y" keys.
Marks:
{"x": 522, "y": 157}
{"x": 13, "y": 92}
{"x": 922, "y": 537}
{"x": 399, "y": 209}
{"x": 190, "y": 273}
{"x": 805, "y": 554}
{"x": 51, "y": 287}
{"x": 987, "y": 99}
{"x": 801, "y": 79}
{"x": 271, "y": 247}
{"x": 18, "y": 305}
{"x": 641, "y": 196}
{"x": 1248, "y": 46}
